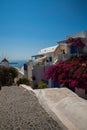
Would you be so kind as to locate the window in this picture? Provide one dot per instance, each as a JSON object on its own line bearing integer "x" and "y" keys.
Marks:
{"x": 73, "y": 49}
{"x": 50, "y": 58}
{"x": 25, "y": 67}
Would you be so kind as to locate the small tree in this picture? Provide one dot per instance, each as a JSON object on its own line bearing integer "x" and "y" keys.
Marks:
{"x": 13, "y": 72}
{"x": 7, "y": 75}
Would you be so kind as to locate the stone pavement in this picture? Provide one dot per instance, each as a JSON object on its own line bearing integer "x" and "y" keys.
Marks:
{"x": 20, "y": 110}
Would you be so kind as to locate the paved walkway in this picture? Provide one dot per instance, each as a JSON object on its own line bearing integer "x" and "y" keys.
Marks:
{"x": 20, "y": 110}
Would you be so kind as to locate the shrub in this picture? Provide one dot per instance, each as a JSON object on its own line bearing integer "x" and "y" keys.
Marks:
{"x": 23, "y": 81}
{"x": 35, "y": 86}
{"x": 42, "y": 85}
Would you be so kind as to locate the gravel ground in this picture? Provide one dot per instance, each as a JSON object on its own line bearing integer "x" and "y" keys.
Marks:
{"x": 20, "y": 110}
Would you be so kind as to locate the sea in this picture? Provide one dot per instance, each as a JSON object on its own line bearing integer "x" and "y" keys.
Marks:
{"x": 17, "y": 63}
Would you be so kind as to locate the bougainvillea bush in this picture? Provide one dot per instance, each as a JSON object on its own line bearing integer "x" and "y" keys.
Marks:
{"x": 77, "y": 42}
{"x": 71, "y": 73}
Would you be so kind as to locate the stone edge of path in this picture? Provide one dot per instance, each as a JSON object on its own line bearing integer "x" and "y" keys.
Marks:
{"x": 38, "y": 93}
{"x": 55, "y": 114}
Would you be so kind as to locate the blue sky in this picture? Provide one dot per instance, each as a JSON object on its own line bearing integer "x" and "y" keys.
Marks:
{"x": 26, "y": 26}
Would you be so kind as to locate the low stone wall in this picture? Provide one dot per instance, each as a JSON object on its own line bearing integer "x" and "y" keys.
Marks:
{"x": 64, "y": 106}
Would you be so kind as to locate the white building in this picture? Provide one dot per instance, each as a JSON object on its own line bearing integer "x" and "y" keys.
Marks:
{"x": 28, "y": 70}
{"x": 45, "y": 55}
{"x": 35, "y": 69}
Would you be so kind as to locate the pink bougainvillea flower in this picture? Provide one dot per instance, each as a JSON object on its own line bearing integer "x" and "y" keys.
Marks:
{"x": 84, "y": 76}
{"x": 72, "y": 72}
{"x": 74, "y": 83}
{"x": 76, "y": 42}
